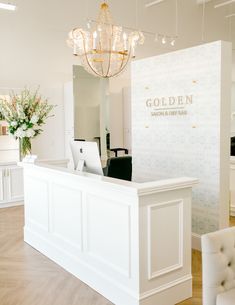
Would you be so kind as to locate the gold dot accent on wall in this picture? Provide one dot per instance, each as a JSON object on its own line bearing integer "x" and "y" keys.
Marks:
{"x": 194, "y": 126}
{"x": 146, "y": 88}
{"x": 146, "y": 126}
{"x": 194, "y": 81}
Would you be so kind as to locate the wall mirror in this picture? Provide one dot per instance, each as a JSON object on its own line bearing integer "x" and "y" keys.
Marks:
{"x": 91, "y": 108}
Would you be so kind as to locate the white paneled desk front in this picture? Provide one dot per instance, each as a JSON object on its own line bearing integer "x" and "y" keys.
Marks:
{"x": 131, "y": 242}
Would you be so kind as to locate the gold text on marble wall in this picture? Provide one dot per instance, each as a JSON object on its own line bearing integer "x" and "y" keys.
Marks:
{"x": 169, "y": 106}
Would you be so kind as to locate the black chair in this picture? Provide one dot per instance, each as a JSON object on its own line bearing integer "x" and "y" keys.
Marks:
{"x": 119, "y": 167}
{"x": 232, "y": 153}
{"x": 116, "y": 150}
{"x": 108, "y": 141}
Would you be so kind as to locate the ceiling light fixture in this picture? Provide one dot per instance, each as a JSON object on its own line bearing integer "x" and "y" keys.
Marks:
{"x": 224, "y": 3}
{"x": 7, "y": 6}
{"x": 164, "y": 40}
{"x": 229, "y": 16}
{"x": 202, "y": 1}
{"x": 105, "y": 49}
{"x": 88, "y": 24}
{"x": 153, "y": 3}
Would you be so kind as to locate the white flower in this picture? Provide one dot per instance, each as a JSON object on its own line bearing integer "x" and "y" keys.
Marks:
{"x": 34, "y": 119}
{"x": 24, "y": 126}
{"x": 20, "y": 133}
{"x": 13, "y": 124}
{"x": 17, "y": 132}
{"x": 30, "y": 133}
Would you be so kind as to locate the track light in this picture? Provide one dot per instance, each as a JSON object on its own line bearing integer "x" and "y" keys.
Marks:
{"x": 229, "y": 16}
{"x": 224, "y": 3}
{"x": 163, "y": 40}
{"x": 153, "y": 3}
{"x": 7, "y": 6}
{"x": 88, "y": 24}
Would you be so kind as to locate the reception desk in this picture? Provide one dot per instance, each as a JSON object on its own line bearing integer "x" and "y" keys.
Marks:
{"x": 130, "y": 242}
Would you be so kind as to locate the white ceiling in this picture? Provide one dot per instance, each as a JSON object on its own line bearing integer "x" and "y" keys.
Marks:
{"x": 37, "y": 31}
{"x": 62, "y": 15}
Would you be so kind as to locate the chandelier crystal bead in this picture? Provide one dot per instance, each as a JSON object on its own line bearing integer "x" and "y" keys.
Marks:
{"x": 105, "y": 49}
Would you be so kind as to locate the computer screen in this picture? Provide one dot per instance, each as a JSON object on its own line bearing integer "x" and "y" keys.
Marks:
{"x": 86, "y": 157}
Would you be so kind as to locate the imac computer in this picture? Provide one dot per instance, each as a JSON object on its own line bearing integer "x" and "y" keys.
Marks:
{"x": 86, "y": 157}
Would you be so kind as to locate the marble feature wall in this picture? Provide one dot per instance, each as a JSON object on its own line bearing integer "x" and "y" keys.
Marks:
{"x": 180, "y": 106}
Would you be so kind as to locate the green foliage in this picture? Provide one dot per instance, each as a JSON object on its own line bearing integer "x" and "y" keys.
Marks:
{"x": 25, "y": 146}
{"x": 1, "y": 117}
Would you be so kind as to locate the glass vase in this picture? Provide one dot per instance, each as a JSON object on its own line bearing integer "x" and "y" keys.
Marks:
{"x": 25, "y": 147}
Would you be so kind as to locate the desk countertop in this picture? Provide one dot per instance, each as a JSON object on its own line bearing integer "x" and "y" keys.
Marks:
{"x": 141, "y": 188}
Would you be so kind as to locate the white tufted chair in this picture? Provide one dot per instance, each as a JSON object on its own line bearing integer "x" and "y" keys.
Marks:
{"x": 218, "y": 267}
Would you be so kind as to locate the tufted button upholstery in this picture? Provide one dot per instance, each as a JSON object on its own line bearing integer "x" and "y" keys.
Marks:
{"x": 218, "y": 261}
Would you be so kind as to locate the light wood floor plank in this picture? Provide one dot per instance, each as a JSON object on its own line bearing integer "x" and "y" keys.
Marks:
{"x": 29, "y": 278}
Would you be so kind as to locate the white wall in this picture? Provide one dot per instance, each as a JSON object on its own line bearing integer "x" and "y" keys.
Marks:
{"x": 179, "y": 137}
{"x": 50, "y": 144}
{"x": 34, "y": 53}
{"x": 233, "y": 110}
{"x": 127, "y": 119}
{"x": 117, "y": 107}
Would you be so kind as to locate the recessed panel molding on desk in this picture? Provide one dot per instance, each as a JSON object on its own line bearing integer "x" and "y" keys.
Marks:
{"x": 111, "y": 234}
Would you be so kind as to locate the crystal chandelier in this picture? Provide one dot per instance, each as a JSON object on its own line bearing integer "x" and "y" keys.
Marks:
{"x": 105, "y": 50}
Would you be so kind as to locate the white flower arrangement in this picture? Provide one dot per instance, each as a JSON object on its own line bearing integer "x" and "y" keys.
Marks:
{"x": 25, "y": 113}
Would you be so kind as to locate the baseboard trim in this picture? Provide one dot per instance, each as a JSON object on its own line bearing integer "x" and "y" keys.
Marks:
{"x": 10, "y": 204}
{"x": 196, "y": 241}
{"x": 179, "y": 281}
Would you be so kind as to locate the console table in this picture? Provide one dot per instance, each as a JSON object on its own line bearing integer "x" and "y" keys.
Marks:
{"x": 11, "y": 184}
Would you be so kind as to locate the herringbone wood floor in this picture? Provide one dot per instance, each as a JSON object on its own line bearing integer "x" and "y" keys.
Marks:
{"x": 29, "y": 278}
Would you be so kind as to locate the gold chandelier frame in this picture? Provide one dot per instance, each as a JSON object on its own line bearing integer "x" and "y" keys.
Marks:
{"x": 106, "y": 50}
